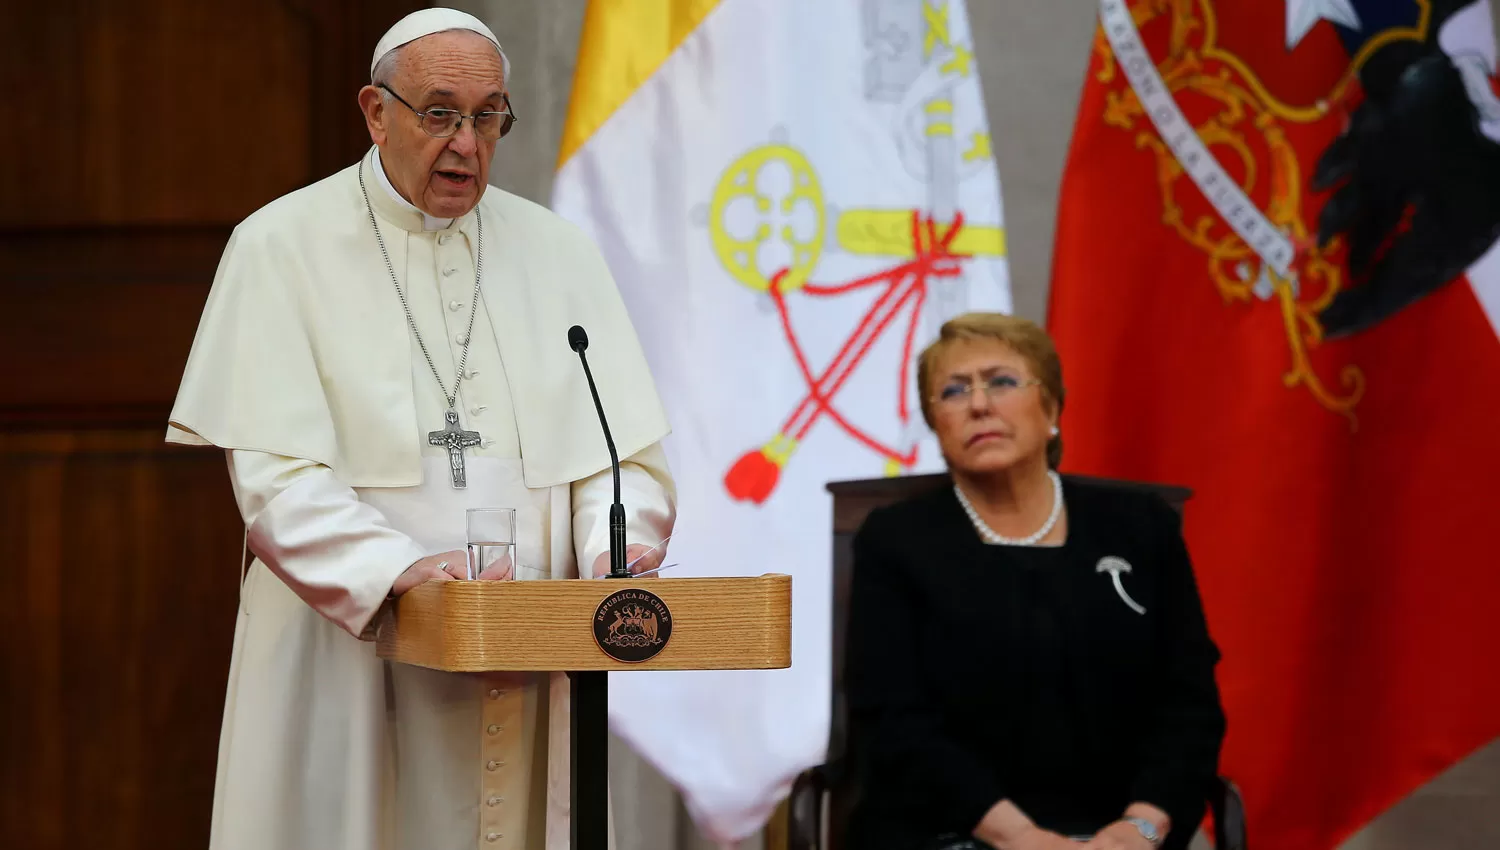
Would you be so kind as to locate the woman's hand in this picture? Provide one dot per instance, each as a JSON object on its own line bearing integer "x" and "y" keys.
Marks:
{"x": 1006, "y": 827}
{"x": 1037, "y": 838}
{"x": 1122, "y": 835}
{"x": 1118, "y": 836}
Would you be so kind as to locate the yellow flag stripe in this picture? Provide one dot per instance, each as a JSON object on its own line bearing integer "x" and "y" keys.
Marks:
{"x": 624, "y": 42}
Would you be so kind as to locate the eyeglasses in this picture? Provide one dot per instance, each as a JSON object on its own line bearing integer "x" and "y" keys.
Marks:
{"x": 957, "y": 395}
{"x": 441, "y": 123}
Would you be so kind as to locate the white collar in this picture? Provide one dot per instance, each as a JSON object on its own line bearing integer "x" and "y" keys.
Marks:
{"x": 428, "y": 222}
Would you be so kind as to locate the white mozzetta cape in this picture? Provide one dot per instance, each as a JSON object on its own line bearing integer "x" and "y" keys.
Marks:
{"x": 303, "y": 349}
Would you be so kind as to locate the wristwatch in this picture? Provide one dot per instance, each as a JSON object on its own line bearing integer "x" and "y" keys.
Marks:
{"x": 1146, "y": 828}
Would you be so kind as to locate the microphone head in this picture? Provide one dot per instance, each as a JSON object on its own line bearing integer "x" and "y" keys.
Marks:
{"x": 578, "y": 340}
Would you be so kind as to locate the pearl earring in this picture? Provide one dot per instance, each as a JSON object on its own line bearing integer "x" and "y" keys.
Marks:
{"x": 1055, "y": 432}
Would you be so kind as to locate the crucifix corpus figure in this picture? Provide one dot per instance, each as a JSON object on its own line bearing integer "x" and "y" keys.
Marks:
{"x": 455, "y": 440}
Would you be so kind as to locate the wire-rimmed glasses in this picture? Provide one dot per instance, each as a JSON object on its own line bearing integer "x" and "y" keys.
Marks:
{"x": 441, "y": 122}
{"x": 956, "y": 395}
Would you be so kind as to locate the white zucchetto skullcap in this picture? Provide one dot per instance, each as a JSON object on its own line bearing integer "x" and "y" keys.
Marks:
{"x": 427, "y": 22}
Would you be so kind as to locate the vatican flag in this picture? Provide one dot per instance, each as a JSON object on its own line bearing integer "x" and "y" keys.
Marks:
{"x": 792, "y": 197}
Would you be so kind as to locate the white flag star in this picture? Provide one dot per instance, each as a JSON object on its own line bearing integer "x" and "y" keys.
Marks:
{"x": 1301, "y": 15}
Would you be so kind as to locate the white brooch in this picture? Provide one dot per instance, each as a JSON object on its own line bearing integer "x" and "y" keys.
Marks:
{"x": 1114, "y": 566}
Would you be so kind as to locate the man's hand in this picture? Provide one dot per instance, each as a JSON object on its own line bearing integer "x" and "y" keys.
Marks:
{"x": 500, "y": 569}
{"x": 632, "y": 552}
{"x": 1118, "y": 836}
{"x": 445, "y": 567}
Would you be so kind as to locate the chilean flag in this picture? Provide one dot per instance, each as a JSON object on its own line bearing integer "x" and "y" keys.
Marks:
{"x": 1277, "y": 282}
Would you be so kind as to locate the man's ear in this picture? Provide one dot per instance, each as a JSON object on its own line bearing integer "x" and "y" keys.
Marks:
{"x": 372, "y": 104}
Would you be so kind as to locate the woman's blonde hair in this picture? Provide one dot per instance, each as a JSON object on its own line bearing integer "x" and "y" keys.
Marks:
{"x": 1024, "y": 337}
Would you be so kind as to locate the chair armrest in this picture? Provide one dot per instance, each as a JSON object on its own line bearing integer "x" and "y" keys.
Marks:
{"x": 807, "y": 805}
{"x": 1229, "y": 816}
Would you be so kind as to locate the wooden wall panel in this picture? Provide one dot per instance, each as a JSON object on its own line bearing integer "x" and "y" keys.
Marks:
{"x": 167, "y": 111}
{"x": 121, "y": 559}
{"x": 98, "y": 324}
{"x": 142, "y": 132}
{"x": 164, "y": 123}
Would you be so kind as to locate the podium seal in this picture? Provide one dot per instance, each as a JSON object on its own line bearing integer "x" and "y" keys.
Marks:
{"x": 632, "y": 625}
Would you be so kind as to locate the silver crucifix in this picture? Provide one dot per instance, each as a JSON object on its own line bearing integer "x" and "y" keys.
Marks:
{"x": 455, "y": 440}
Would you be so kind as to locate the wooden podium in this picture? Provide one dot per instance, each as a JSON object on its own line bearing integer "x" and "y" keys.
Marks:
{"x": 589, "y": 627}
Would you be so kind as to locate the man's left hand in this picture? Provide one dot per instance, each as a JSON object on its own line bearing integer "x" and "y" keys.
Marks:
{"x": 632, "y": 552}
{"x": 1118, "y": 836}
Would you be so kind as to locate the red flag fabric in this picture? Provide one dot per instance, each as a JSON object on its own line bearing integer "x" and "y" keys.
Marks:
{"x": 1333, "y": 399}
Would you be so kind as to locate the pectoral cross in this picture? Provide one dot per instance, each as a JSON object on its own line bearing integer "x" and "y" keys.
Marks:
{"x": 455, "y": 440}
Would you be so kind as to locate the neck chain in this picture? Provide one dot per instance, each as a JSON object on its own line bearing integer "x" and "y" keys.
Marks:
{"x": 995, "y": 539}
{"x": 452, "y": 436}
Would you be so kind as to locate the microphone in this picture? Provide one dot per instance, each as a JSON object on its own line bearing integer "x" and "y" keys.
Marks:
{"x": 578, "y": 340}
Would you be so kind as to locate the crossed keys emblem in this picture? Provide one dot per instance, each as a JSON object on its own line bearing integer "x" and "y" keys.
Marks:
{"x": 922, "y": 249}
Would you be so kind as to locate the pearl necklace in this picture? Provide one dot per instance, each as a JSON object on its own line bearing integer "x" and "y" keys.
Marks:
{"x": 994, "y": 539}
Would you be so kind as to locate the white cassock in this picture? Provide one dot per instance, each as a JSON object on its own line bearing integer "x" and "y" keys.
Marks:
{"x": 305, "y": 371}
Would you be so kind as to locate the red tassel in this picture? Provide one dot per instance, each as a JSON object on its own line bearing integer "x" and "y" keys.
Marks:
{"x": 753, "y": 477}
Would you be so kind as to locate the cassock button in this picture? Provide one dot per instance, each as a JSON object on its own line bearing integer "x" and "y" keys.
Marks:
{"x": 496, "y": 693}
{"x": 461, "y": 339}
{"x": 493, "y": 765}
{"x": 455, "y": 306}
{"x": 492, "y": 837}
{"x": 443, "y": 238}
{"x": 478, "y": 409}
{"x": 494, "y": 801}
{"x": 495, "y": 729}
{"x": 448, "y": 272}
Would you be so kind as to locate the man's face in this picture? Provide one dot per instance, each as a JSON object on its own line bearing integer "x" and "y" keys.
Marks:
{"x": 443, "y": 177}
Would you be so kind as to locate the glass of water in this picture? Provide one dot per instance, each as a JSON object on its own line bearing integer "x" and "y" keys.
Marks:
{"x": 491, "y": 537}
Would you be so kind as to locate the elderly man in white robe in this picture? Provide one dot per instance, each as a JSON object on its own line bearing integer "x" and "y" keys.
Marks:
{"x": 352, "y": 323}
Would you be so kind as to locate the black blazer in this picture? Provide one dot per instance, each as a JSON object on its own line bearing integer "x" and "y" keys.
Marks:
{"x": 977, "y": 673}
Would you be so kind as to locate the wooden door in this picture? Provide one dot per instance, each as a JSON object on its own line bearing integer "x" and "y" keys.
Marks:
{"x": 136, "y": 133}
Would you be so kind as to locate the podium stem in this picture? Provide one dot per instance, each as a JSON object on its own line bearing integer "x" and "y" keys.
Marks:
{"x": 589, "y": 759}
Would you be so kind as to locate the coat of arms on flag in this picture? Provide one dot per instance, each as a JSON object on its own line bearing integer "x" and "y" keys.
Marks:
{"x": 1277, "y": 282}
{"x": 771, "y": 221}
{"x": 1397, "y": 98}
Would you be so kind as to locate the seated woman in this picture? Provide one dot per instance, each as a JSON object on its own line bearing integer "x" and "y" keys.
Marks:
{"x": 1028, "y": 663}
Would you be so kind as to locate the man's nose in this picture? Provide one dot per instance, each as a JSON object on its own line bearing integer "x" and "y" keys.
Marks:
{"x": 464, "y": 142}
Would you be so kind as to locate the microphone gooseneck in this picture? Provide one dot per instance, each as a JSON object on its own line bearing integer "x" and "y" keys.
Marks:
{"x": 578, "y": 340}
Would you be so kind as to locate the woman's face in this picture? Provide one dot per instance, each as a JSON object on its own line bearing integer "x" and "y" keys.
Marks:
{"x": 988, "y": 409}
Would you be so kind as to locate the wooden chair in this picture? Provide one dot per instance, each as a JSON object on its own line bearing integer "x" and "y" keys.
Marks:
{"x": 823, "y": 797}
